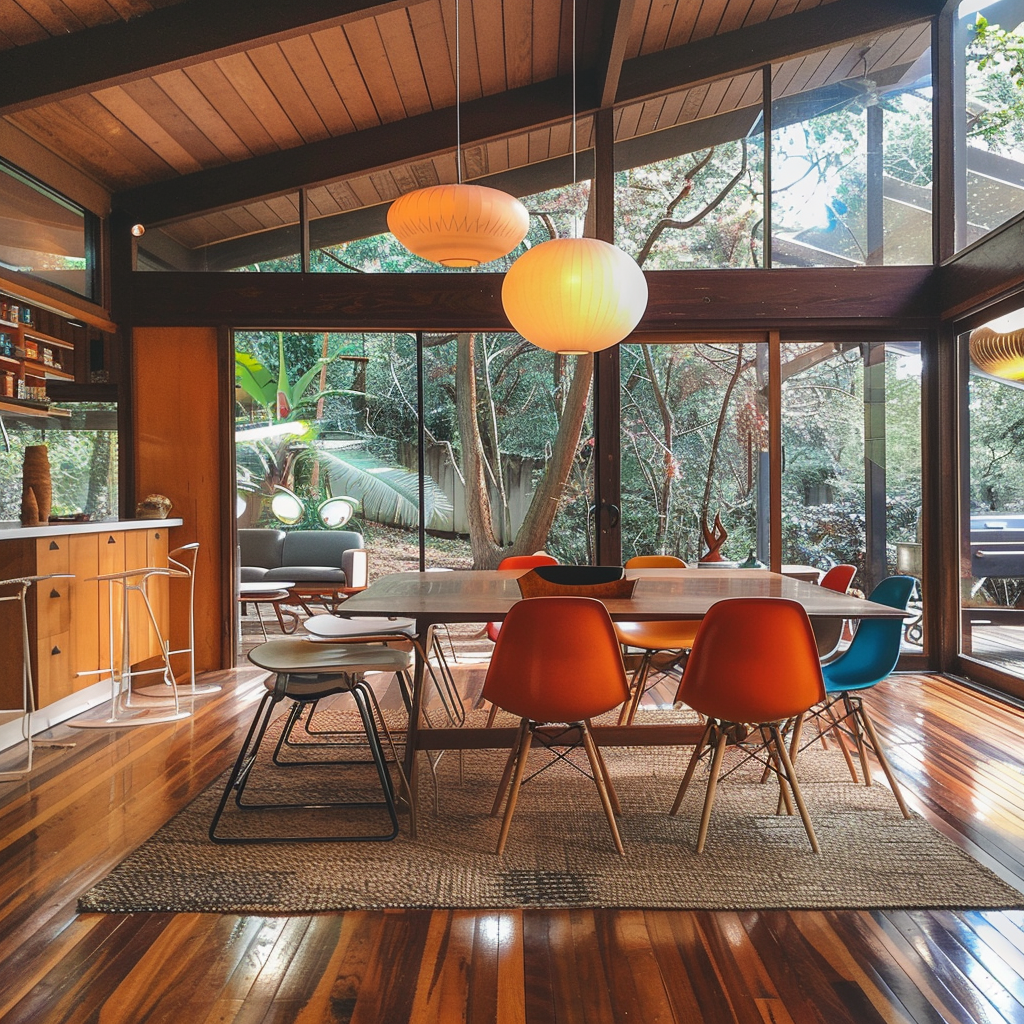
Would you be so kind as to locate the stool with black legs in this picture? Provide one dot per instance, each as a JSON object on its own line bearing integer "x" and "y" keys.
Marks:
{"x": 305, "y": 673}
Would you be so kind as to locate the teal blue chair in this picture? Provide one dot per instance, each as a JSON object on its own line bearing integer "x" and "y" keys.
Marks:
{"x": 868, "y": 660}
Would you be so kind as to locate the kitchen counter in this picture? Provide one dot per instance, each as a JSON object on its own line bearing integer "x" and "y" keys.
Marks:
{"x": 11, "y": 529}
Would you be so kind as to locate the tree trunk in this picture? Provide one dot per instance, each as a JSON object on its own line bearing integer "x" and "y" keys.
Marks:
{"x": 533, "y": 534}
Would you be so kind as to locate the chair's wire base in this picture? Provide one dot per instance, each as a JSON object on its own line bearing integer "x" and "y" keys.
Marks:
{"x": 369, "y": 712}
{"x": 639, "y": 684}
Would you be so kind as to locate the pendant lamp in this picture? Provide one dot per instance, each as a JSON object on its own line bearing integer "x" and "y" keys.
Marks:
{"x": 574, "y": 295}
{"x": 458, "y": 225}
{"x": 1001, "y": 355}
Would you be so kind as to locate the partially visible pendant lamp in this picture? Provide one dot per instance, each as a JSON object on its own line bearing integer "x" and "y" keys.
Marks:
{"x": 574, "y": 295}
{"x": 458, "y": 225}
{"x": 997, "y": 353}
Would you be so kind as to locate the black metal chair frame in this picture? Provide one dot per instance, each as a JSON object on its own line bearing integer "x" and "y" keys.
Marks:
{"x": 366, "y": 704}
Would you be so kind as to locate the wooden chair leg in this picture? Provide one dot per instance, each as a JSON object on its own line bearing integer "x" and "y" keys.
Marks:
{"x": 709, "y": 796}
{"x": 791, "y": 777}
{"x": 882, "y": 759}
{"x": 491, "y": 715}
{"x": 636, "y": 691}
{"x": 524, "y": 724}
{"x": 597, "y": 767}
{"x": 858, "y": 733}
{"x": 613, "y": 796}
{"x": 691, "y": 767}
{"x": 517, "y": 781}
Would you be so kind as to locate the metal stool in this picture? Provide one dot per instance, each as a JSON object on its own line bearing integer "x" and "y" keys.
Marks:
{"x": 305, "y": 673}
{"x": 183, "y": 561}
{"x": 20, "y": 586}
{"x": 123, "y": 712}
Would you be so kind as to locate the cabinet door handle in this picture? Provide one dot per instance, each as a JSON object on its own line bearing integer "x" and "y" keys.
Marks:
{"x": 156, "y": 536}
{"x": 56, "y": 650}
{"x": 55, "y": 592}
{"x": 110, "y": 540}
{"x": 54, "y": 546}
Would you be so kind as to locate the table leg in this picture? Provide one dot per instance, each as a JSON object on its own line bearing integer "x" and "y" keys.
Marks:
{"x": 422, "y": 647}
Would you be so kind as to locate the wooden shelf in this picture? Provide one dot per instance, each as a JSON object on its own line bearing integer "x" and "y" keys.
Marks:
{"x": 34, "y": 368}
{"x": 21, "y": 407}
{"x": 46, "y": 339}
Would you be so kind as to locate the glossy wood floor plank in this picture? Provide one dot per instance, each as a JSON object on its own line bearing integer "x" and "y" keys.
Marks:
{"x": 959, "y": 754}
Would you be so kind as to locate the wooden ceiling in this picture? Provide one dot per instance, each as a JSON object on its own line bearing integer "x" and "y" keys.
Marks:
{"x": 180, "y": 109}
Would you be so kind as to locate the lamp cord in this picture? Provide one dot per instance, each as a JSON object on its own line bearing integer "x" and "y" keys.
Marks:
{"x": 458, "y": 97}
{"x": 574, "y": 175}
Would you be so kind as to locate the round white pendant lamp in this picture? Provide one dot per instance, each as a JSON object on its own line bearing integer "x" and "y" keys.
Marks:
{"x": 1000, "y": 354}
{"x": 458, "y": 225}
{"x": 574, "y": 295}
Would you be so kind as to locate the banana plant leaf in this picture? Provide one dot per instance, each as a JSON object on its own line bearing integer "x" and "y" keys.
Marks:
{"x": 387, "y": 494}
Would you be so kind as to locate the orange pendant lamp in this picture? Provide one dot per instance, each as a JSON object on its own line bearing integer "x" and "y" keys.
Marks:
{"x": 458, "y": 225}
{"x": 574, "y": 295}
{"x": 1000, "y": 354}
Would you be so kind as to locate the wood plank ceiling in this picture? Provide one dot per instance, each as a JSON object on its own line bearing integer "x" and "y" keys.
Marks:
{"x": 380, "y": 67}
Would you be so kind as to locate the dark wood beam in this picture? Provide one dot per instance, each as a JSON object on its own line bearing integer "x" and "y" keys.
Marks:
{"x": 162, "y": 40}
{"x": 863, "y": 297}
{"x": 779, "y": 39}
{"x": 985, "y": 271}
{"x": 515, "y": 111}
{"x": 614, "y": 37}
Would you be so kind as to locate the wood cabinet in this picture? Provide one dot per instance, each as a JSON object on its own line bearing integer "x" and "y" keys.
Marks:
{"x": 72, "y": 626}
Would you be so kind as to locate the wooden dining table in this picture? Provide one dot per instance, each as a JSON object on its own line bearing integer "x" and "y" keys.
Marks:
{"x": 481, "y": 595}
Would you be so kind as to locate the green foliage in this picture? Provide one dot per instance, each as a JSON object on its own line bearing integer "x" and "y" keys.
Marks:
{"x": 995, "y": 59}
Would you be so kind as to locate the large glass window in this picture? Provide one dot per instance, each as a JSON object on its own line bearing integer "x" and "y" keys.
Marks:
{"x": 690, "y": 194}
{"x": 81, "y": 440}
{"x": 992, "y": 521}
{"x": 44, "y": 234}
{"x": 694, "y": 430}
{"x": 851, "y": 159}
{"x": 990, "y": 116}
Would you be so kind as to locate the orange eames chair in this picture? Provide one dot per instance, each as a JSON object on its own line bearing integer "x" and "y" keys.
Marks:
{"x": 556, "y": 662}
{"x": 653, "y": 637}
{"x": 753, "y": 667}
{"x": 838, "y": 578}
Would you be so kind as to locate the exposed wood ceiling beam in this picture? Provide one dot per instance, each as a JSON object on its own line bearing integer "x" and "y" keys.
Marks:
{"x": 614, "y": 37}
{"x": 779, "y": 39}
{"x": 517, "y": 110}
{"x": 163, "y": 40}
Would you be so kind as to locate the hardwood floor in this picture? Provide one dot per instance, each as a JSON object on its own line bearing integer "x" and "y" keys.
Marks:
{"x": 960, "y": 753}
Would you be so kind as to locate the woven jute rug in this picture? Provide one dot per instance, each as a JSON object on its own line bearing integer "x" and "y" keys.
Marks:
{"x": 560, "y": 852}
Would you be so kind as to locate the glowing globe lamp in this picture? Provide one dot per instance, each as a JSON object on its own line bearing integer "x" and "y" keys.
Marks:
{"x": 574, "y": 295}
{"x": 458, "y": 225}
{"x": 1001, "y": 355}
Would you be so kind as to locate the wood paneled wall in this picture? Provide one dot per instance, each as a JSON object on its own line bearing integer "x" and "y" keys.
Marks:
{"x": 178, "y": 393}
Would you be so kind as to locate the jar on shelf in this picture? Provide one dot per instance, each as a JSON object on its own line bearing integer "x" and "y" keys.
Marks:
{"x": 7, "y": 384}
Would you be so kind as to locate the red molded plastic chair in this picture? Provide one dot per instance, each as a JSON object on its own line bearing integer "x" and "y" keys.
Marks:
{"x": 653, "y": 638}
{"x": 556, "y": 661}
{"x": 753, "y": 667}
{"x": 828, "y": 632}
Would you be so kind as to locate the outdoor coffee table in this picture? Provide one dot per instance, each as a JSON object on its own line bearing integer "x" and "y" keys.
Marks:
{"x": 431, "y": 598}
{"x": 267, "y": 593}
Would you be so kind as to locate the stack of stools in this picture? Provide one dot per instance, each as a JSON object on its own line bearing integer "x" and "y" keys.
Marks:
{"x": 306, "y": 672}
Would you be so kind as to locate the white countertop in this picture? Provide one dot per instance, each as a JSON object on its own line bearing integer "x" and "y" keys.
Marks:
{"x": 11, "y": 529}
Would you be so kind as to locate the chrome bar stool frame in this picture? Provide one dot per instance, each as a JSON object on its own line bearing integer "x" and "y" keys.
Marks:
{"x": 123, "y": 713}
{"x": 22, "y": 583}
{"x": 183, "y": 563}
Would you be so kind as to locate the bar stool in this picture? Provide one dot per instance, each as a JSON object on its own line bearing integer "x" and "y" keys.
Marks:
{"x": 20, "y": 586}
{"x": 123, "y": 713}
{"x": 305, "y": 673}
{"x": 183, "y": 561}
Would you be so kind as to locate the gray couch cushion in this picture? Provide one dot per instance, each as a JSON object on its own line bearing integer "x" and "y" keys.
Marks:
{"x": 316, "y": 547}
{"x": 308, "y": 574}
{"x": 252, "y": 573}
{"x": 261, "y": 548}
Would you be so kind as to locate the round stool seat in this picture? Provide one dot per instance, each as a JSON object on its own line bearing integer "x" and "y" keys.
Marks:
{"x": 331, "y": 626}
{"x": 300, "y": 657}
